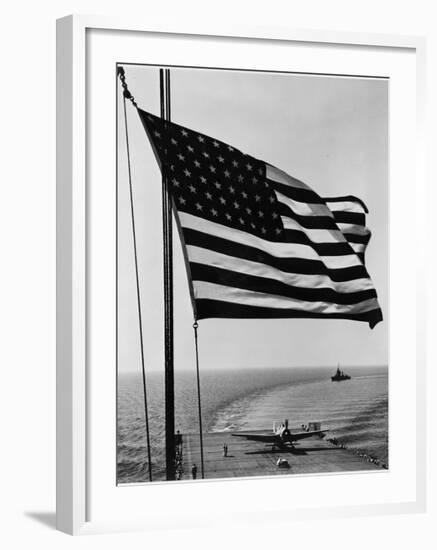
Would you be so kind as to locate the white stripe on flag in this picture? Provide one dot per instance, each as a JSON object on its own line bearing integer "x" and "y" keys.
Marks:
{"x": 275, "y": 174}
{"x": 213, "y": 291}
{"x": 346, "y": 206}
{"x": 315, "y": 235}
{"x": 358, "y": 248}
{"x": 354, "y": 229}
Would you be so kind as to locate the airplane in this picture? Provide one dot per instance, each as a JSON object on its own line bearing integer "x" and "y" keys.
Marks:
{"x": 281, "y": 436}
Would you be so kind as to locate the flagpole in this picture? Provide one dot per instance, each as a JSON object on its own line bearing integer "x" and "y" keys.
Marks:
{"x": 170, "y": 456}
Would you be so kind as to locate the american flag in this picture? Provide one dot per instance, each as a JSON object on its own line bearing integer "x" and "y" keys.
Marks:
{"x": 258, "y": 242}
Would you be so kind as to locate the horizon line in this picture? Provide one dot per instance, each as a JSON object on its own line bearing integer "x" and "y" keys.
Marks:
{"x": 120, "y": 371}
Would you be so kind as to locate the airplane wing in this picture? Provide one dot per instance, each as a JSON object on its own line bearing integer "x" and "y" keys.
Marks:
{"x": 258, "y": 437}
{"x": 303, "y": 435}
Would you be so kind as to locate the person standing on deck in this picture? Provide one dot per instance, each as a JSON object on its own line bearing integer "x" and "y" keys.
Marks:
{"x": 194, "y": 471}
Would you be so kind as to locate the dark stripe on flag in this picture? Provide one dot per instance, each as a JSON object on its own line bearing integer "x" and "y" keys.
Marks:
{"x": 349, "y": 217}
{"x": 290, "y": 265}
{"x": 323, "y": 249}
{"x": 309, "y": 222}
{"x": 201, "y": 272}
{"x": 217, "y": 308}
{"x": 357, "y": 239}
{"x": 346, "y": 198}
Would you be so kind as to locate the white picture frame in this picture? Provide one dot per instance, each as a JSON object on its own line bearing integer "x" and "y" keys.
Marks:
{"x": 75, "y": 339}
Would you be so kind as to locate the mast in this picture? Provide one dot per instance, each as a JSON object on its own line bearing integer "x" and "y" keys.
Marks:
{"x": 164, "y": 81}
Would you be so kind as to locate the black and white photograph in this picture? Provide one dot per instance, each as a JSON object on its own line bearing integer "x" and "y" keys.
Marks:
{"x": 252, "y": 274}
{"x": 218, "y": 273}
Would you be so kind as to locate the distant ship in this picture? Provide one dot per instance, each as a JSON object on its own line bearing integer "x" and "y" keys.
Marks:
{"x": 339, "y": 376}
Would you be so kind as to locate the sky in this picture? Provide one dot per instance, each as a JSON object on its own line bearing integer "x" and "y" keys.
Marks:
{"x": 330, "y": 132}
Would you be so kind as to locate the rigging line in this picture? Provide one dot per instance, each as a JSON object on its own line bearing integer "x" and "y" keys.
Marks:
{"x": 140, "y": 321}
{"x": 199, "y": 404}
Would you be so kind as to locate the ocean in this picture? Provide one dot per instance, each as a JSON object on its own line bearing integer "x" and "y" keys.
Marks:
{"x": 355, "y": 412}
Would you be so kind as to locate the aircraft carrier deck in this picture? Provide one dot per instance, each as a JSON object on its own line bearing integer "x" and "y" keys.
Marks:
{"x": 250, "y": 458}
